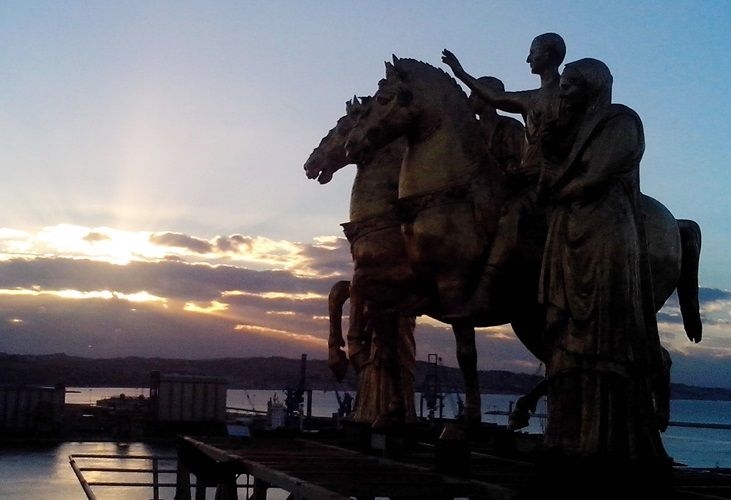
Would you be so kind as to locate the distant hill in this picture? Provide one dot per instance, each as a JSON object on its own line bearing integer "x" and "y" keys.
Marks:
{"x": 273, "y": 373}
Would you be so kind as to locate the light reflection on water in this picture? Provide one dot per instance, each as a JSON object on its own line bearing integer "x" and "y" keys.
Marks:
{"x": 44, "y": 472}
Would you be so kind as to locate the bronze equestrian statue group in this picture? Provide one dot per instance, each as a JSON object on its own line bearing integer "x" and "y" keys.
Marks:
{"x": 453, "y": 218}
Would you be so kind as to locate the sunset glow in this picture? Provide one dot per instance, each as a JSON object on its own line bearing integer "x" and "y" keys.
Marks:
{"x": 281, "y": 334}
{"x": 122, "y": 247}
{"x": 212, "y": 308}
{"x": 138, "y": 297}
{"x": 154, "y": 196}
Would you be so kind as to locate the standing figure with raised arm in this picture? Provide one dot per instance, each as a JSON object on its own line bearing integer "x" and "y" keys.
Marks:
{"x": 537, "y": 107}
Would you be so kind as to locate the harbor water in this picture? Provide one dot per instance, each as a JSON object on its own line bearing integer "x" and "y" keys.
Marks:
{"x": 45, "y": 472}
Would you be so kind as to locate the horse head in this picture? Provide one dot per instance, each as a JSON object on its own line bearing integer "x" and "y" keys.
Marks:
{"x": 413, "y": 100}
{"x": 329, "y": 156}
{"x": 389, "y": 114}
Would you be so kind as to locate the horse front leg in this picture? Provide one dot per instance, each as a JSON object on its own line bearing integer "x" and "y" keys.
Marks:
{"x": 359, "y": 341}
{"x": 337, "y": 360}
{"x": 464, "y": 334}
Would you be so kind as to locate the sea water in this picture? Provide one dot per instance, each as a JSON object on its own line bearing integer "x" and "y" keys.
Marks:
{"x": 46, "y": 473}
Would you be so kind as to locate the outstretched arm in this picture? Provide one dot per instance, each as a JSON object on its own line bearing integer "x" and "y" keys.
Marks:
{"x": 512, "y": 102}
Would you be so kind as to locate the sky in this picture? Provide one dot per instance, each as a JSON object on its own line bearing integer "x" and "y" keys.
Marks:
{"x": 154, "y": 201}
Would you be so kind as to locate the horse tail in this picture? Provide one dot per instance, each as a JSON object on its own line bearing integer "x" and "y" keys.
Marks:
{"x": 337, "y": 361}
{"x": 690, "y": 241}
{"x": 660, "y": 387}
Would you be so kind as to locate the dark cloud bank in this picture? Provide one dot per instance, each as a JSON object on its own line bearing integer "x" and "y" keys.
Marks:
{"x": 285, "y": 326}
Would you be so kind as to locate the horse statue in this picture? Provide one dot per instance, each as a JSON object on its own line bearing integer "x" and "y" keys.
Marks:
{"x": 380, "y": 340}
{"x": 450, "y": 193}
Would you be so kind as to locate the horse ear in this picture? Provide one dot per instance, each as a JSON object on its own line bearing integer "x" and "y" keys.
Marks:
{"x": 395, "y": 71}
{"x": 348, "y": 107}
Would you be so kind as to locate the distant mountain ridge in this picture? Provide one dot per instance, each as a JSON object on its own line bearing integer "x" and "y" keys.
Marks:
{"x": 270, "y": 373}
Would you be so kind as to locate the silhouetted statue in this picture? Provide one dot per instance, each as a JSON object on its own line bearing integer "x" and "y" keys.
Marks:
{"x": 450, "y": 193}
{"x": 596, "y": 283}
{"x": 522, "y": 221}
{"x": 392, "y": 356}
{"x": 380, "y": 341}
{"x": 448, "y": 181}
{"x": 521, "y": 214}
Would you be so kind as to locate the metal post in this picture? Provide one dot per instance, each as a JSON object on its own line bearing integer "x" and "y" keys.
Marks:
{"x": 182, "y": 482}
{"x": 227, "y": 490}
{"x": 260, "y": 489}
{"x": 200, "y": 489}
{"x": 309, "y": 403}
{"x": 84, "y": 485}
{"x": 155, "y": 480}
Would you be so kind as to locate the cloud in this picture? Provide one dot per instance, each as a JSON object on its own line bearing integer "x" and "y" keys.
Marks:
{"x": 323, "y": 256}
{"x": 234, "y": 243}
{"x": 328, "y": 257}
{"x": 189, "y": 308}
{"x": 247, "y": 295}
{"x": 94, "y": 236}
{"x": 179, "y": 240}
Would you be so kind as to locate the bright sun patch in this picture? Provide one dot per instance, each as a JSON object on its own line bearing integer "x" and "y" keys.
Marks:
{"x": 121, "y": 247}
{"x": 276, "y": 295}
{"x": 213, "y": 308}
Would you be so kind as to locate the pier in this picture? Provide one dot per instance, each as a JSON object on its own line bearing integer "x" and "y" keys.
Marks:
{"x": 339, "y": 465}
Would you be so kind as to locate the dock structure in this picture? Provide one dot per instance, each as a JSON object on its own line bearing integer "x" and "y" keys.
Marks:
{"x": 187, "y": 398}
{"x": 329, "y": 467}
{"x": 309, "y": 469}
{"x": 31, "y": 409}
{"x": 186, "y": 403}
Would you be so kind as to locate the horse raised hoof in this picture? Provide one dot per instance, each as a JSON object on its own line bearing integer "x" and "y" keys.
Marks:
{"x": 520, "y": 416}
{"x": 337, "y": 362}
{"x": 518, "y": 419}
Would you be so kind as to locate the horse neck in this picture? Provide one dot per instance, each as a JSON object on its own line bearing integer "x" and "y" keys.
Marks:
{"x": 375, "y": 187}
{"x": 445, "y": 156}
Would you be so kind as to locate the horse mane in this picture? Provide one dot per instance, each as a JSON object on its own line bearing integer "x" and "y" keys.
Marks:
{"x": 425, "y": 72}
{"x": 441, "y": 89}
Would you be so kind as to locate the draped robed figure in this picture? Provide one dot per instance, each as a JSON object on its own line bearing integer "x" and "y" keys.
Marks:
{"x": 596, "y": 282}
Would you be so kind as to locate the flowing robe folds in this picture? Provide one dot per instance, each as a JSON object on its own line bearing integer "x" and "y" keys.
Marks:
{"x": 596, "y": 284}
